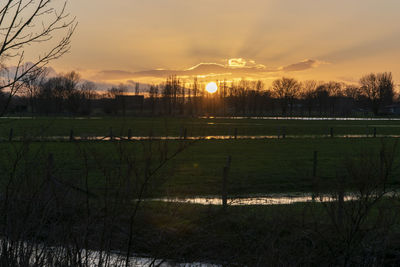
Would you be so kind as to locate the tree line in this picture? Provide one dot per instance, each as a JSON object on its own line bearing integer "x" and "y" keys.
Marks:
{"x": 68, "y": 94}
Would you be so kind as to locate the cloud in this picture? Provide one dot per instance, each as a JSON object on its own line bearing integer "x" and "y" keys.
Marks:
{"x": 204, "y": 69}
{"x": 9, "y": 72}
{"x": 112, "y": 75}
{"x": 236, "y": 67}
{"x": 243, "y": 63}
{"x": 303, "y": 65}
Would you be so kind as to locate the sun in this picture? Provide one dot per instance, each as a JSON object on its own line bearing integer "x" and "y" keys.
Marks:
{"x": 211, "y": 87}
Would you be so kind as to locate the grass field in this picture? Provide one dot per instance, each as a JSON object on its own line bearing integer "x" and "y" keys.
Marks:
{"x": 158, "y": 126}
{"x": 258, "y": 166}
{"x": 247, "y": 235}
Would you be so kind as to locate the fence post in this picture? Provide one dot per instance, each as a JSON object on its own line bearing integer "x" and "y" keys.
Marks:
{"x": 71, "y": 135}
{"x": 235, "y": 133}
{"x": 224, "y": 183}
{"x": 331, "y": 131}
{"x": 340, "y": 202}
{"x": 129, "y": 134}
{"x": 111, "y": 134}
{"x": 374, "y": 132}
{"x": 184, "y": 133}
{"x": 10, "y": 137}
{"x": 315, "y": 181}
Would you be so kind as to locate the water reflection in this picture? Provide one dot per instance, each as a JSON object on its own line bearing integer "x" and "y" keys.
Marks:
{"x": 238, "y": 118}
{"x": 41, "y": 255}
{"x": 58, "y": 118}
{"x": 305, "y": 118}
{"x": 276, "y": 199}
{"x": 209, "y": 137}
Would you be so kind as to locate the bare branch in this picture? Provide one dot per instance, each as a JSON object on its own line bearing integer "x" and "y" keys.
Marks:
{"x": 19, "y": 28}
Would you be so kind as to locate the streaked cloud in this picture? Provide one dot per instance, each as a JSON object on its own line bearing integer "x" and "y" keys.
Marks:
{"x": 243, "y": 63}
{"x": 234, "y": 67}
{"x": 112, "y": 75}
{"x": 303, "y": 65}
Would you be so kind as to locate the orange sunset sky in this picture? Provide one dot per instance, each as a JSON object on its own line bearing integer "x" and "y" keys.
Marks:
{"x": 147, "y": 40}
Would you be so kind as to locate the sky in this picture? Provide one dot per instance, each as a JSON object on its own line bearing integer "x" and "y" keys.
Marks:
{"x": 147, "y": 40}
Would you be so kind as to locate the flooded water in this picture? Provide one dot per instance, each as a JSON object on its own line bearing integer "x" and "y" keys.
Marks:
{"x": 118, "y": 260}
{"x": 242, "y": 118}
{"x": 209, "y": 137}
{"x": 306, "y": 118}
{"x": 40, "y": 255}
{"x": 58, "y": 118}
{"x": 273, "y": 199}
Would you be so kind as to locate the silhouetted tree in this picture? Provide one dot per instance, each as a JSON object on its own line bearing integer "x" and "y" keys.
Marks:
{"x": 195, "y": 97}
{"x": 153, "y": 93}
{"x": 171, "y": 92}
{"x": 51, "y": 96}
{"x": 386, "y": 87}
{"x": 286, "y": 90}
{"x": 241, "y": 95}
{"x": 378, "y": 88}
{"x": 31, "y": 85}
{"x": 308, "y": 94}
{"x": 27, "y": 24}
{"x": 322, "y": 96}
{"x": 89, "y": 94}
{"x": 352, "y": 91}
{"x": 72, "y": 94}
{"x": 334, "y": 90}
{"x": 137, "y": 88}
{"x": 59, "y": 94}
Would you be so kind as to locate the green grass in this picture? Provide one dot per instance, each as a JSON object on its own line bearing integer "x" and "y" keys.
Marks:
{"x": 159, "y": 126}
{"x": 258, "y": 166}
{"x": 243, "y": 234}
{"x": 264, "y": 166}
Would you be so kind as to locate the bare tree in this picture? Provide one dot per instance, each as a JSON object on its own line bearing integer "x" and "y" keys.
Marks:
{"x": 26, "y": 23}
{"x": 89, "y": 94}
{"x": 308, "y": 94}
{"x": 335, "y": 91}
{"x": 88, "y": 90}
{"x": 60, "y": 93}
{"x": 386, "y": 87}
{"x": 31, "y": 85}
{"x": 378, "y": 88}
{"x": 73, "y": 95}
{"x": 153, "y": 97}
{"x": 286, "y": 89}
{"x": 137, "y": 89}
{"x": 352, "y": 91}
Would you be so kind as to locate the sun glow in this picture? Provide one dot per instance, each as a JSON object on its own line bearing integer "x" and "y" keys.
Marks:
{"x": 211, "y": 87}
